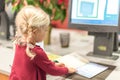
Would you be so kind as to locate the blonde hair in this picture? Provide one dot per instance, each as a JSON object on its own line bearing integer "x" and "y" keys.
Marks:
{"x": 30, "y": 18}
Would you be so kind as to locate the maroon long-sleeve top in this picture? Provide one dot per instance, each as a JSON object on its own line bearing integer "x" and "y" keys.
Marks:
{"x": 24, "y": 68}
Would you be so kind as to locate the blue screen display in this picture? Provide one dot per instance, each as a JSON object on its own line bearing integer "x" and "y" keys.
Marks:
{"x": 95, "y": 12}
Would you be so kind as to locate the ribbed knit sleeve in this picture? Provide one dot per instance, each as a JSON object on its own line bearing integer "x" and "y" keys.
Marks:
{"x": 42, "y": 61}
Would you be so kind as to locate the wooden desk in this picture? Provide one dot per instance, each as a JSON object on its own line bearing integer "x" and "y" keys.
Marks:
{"x": 4, "y": 77}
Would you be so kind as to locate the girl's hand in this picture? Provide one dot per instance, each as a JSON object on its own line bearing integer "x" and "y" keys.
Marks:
{"x": 71, "y": 70}
{"x": 60, "y": 64}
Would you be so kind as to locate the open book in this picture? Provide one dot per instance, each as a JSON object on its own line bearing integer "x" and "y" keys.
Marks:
{"x": 84, "y": 67}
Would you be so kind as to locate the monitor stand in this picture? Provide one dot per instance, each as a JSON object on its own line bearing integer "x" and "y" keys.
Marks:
{"x": 103, "y": 46}
{"x": 116, "y": 43}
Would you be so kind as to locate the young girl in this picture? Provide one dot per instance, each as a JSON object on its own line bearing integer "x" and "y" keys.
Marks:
{"x": 30, "y": 61}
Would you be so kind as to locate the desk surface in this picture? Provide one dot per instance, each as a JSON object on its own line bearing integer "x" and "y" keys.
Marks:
{"x": 81, "y": 49}
{"x": 82, "y": 44}
{"x": 111, "y": 74}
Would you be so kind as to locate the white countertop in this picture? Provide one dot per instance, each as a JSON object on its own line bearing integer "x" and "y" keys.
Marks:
{"x": 7, "y": 54}
{"x": 83, "y": 44}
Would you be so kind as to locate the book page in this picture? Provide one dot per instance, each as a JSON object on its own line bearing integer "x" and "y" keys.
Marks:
{"x": 91, "y": 69}
{"x": 52, "y": 56}
{"x": 84, "y": 67}
{"x": 72, "y": 61}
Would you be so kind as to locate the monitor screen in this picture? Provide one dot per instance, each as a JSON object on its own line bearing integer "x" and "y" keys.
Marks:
{"x": 94, "y": 15}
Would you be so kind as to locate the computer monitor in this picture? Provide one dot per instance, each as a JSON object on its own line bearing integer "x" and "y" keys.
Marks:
{"x": 98, "y": 16}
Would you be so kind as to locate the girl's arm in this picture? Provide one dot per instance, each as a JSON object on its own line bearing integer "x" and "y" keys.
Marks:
{"x": 45, "y": 64}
